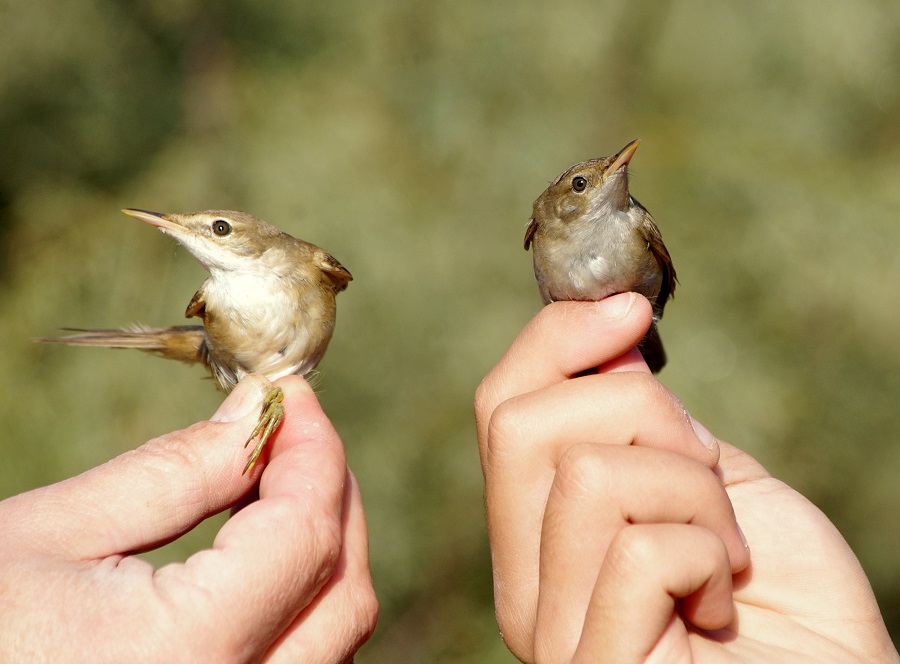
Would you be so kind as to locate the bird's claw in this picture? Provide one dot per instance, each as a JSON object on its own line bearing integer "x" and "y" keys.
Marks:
{"x": 270, "y": 416}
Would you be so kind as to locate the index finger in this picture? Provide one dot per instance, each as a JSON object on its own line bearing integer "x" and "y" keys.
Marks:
{"x": 563, "y": 339}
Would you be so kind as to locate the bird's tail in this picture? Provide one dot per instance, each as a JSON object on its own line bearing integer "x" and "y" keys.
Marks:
{"x": 651, "y": 348}
{"x": 185, "y": 343}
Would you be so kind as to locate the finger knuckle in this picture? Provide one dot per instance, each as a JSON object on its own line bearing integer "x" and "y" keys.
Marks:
{"x": 485, "y": 399}
{"x": 504, "y": 426}
{"x": 366, "y": 609}
{"x": 356, "y": 618}
{"x": 632, "y": 551}
{"x": 583, "y": 469}
{"x": 326, "y": 545}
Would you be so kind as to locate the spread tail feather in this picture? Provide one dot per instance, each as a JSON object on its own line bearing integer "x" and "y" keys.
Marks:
{"x": 185, "y": 343}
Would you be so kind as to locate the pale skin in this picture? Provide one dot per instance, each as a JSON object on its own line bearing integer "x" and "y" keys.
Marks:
{"x": 617, "y": 522}
{"x": 287, "y": 578}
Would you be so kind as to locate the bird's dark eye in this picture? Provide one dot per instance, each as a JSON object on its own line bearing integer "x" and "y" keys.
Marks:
{"x": 578, "y": 183}
{"x": 221, "y": 227}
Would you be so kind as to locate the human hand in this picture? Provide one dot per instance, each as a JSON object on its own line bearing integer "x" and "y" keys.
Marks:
{"x": 286, "y": 579}
{"x": 612, "y": 517}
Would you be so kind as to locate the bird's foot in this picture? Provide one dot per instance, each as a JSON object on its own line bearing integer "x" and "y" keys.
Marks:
{"x": 270, "y": 416}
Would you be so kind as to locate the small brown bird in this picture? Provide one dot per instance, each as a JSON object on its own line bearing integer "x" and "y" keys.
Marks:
{"x": 268, "y": 306}
{"x": 592, "y": 239}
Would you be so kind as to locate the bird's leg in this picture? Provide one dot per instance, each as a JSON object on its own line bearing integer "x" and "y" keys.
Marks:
{"x": 270, "y": 416}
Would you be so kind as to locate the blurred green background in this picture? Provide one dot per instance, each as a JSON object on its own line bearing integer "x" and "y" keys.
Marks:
{"x": 410, "y": 138}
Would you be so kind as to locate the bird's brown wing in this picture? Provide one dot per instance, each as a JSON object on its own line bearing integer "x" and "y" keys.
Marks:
{"x": 651, "y": 234}
{"x": 334, "y": 271}
{"x": 530, "y": 230}
{"x": 197, "y": 305}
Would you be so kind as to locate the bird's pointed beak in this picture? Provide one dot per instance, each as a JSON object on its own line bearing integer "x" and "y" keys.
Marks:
{"x": 623, "y": 157}
{"x": 162, "y": 221}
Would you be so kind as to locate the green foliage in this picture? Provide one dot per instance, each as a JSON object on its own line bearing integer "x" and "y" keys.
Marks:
{"x": 410, "y": 138}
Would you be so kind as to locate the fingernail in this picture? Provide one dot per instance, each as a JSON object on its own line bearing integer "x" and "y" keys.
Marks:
{"x": 243, "y": 400}
{"x": 703, "y": 435}
{"x": 743, "y": 537}
{"x": 617, "y": 306}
